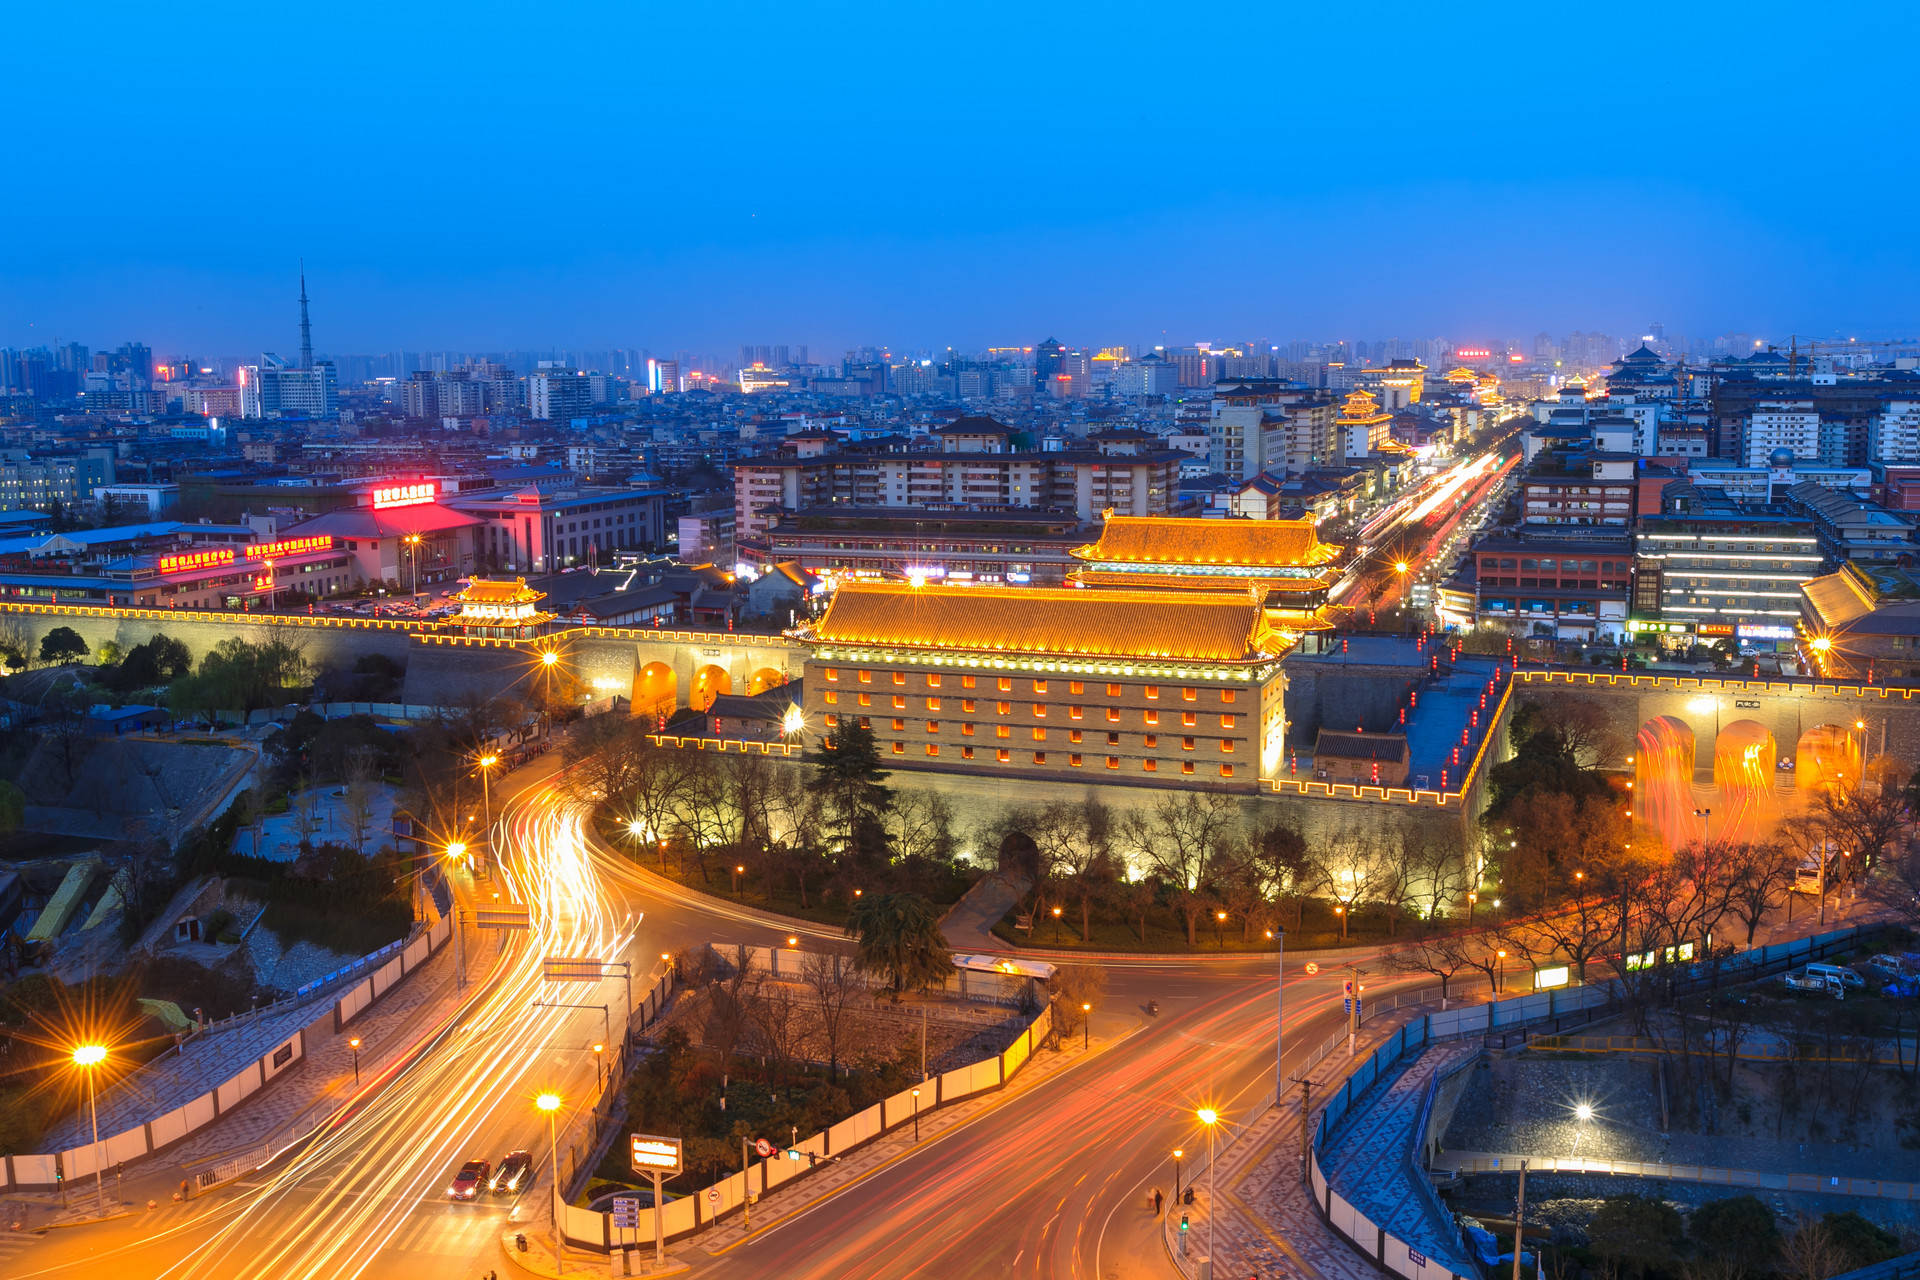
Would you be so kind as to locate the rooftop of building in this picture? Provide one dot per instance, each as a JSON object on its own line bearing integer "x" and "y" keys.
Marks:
{"x": 1877, "y": 601}
{"x": 499, "y": 591}
{"x": 1183, "y": 540}
{"x": 1072, "y": 622}
{"x": 385, "y": 522}
{"x": 1349, "y": 745}
{"x": 973, "y": 522}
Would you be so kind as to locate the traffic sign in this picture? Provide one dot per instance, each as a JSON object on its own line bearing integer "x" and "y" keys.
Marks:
{"x": 713, "y": 1194}
{"x": 1346, "y": 988}
{"x": 762, "y": 1148}
{"x": 654, "y": 1154}
{"x": 626, "y": 1213}
{"x": 501, "y": 918}
{"x": 572, "y": 969}
{"x": 1312, "y": 968}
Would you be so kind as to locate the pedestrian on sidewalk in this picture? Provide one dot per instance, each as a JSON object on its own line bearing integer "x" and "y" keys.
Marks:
{"x": 1156, "y": 1202}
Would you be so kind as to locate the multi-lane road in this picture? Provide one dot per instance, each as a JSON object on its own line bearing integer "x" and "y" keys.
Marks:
{"x": 1052, "y": 1183}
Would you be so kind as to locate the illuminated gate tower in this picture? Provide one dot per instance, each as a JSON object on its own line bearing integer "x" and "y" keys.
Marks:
{"x": 496, "y": 607}
{"x": 1281, "y": 563}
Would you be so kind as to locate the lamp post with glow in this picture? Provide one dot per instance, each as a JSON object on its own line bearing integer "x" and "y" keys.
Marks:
{"x": 87, "y": 1057}
{"x": 354, "y": 1044}
{"x": 1177, "y": 1154}
{"x": 550, "y": 1103}
{"x": 916, "y": 1115}
{"x": 456, "y": 850}
{"x": 1209, "y": 1117}
{"x": 1086, "y": 1024}
{"x": 486, "y": 763}
{"x": 413, "y": 557}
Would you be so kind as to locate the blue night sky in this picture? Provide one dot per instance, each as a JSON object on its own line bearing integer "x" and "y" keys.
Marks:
{"x": 486, "y": 175}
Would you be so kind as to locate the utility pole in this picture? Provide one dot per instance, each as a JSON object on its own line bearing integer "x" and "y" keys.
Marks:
{"x": 1519, "y": 1215}
{"x": 1279, "y": 1010}
{"x": 746, "y": 1188}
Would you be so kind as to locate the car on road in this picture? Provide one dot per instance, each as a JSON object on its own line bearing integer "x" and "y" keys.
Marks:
{"x": 468, "y": 1182}
{"x": 512, "y": 1173}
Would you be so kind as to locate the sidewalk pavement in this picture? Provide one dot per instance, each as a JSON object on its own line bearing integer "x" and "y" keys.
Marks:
{"x": 538, "y": 1259}
{"x": 291, "y": 1104}
{"x": 1268, "y": 1225}
{"x": 968, "y": 924}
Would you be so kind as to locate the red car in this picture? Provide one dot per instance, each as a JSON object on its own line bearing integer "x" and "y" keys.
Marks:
{"x": 470, "y": 1181}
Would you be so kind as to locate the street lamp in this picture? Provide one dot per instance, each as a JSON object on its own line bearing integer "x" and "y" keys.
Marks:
{"x": 1340, "y": 909}
{"x": 1177, "y": 1153}
{"x": 739, "y": 872}
{"x": 87, "y": 1057}
{"x": 1209, "y": 1117}
{"x": 1501, "y": 956}
{"x": 550, "y": 1103}
{"x": 354, "y": 1044}
{"x": 1219, "y": 918}
{"x": 413, "y": 556}
{"x": 1086, "y": 1023}
{"x": 916, "y": 1115}
{"x": 456, "y": 850}
{"x": 487, "y": 762}
{"x": 598, "y": 1078}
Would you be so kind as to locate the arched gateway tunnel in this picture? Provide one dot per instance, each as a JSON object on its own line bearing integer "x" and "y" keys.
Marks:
{"x": 1730, "y": 757}
{"x": 663, "y": 670}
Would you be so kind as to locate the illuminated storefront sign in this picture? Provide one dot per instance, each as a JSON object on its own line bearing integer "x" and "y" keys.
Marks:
{"x": 290, "y": 547}
{"x": 1670, "y": 955}
{"x": 186, "y": 561}
{"x": 1659, "y": 628}
{"x": 1766, "y": 632}
{"x": 1557, "y": 976}
{"x": 405, "y": 495}
{"x": 1715, "y": 629}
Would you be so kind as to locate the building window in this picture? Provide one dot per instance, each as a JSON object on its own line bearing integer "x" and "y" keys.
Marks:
{"x": 1039, "y": 686}
{"x": 933, "y": 748}
{"x": 832, "y": 674}
{"x": 1074, "y": 759}
{"x": 933, "y": 704}
{"x": 899, "y": 725}
{"x": 1113, "y": 691}
{"x": 1073, "y": 713}
{"x": 1186, "y": 744}
{"x": 1113, "y": 715}
{"x": 1113, "y": 739}
{"x": 1076, "y": 686}
{"x": 966, "y": 682}
{"x": 1073, "y": 735}
{"x": 899, "y": 702}
{"x": 1226, "y": 771}
{"x": 899, "y": 748}
{"x": 1113, "y": 762}
{"x": 933, "y": 682}
{"x": 866, "y": 677}
{"x": 966, "y": 730}
{"x": 1003, "y": 755}
{"x": 1039, "y": 711}
{"x": 966, "y": 704}
{"x": 966, "y": 753}
{"x": 1003, "y": 708}
{"x": 899, "y": 677}
{"x": 1226, "y": 746}
{"x": 833, "y": 722}
{"x": 1153, "y": 691}
{"x": 1006, "y": 684}
{"x": 1003, "y": 731}
{"x": 1152, "y": 717}
{"x": 1189, "y": 719}
{"x": 1039, "y": 734}
{"x": 1150, "y": 766}
{"x": 1039, "y": 757}
{"x": 933, "y": 726}
{"x": 1226, "y": 722}
{"x": 1189, "y": 695}
{"x": 1227, "y": 695}
{"x": 1186, "y": 766}
{"x": 831, "y": 696}
{"x": 866, "y": 699}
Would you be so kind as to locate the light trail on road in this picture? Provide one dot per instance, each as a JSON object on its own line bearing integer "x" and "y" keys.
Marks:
{"x": 328, "y": 1210}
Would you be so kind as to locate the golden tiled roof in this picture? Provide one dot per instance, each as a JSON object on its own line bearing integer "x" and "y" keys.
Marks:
{"x": 1174, "y": 580}
{"x": 1177, "y": 540}
{"x": 1837, "y": 598}
{"x": 499, "y": 591}
{"x": 1215, "y": 627}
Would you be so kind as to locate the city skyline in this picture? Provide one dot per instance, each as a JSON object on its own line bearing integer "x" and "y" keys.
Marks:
{"x": 926, "y": 181}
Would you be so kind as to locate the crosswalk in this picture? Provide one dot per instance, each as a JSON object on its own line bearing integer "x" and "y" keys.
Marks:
{"x": 448, "y": 1231}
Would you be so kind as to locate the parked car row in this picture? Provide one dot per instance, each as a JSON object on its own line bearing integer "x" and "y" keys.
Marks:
{"x": 1896, "y": 975}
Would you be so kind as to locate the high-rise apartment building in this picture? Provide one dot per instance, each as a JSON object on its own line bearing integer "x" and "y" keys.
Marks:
{"x": 1261, "y": 424}
{"x": 557, "y": 395}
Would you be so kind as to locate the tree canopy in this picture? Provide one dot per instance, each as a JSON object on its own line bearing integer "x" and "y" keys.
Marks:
{"x": 897, "y": 936}
{"x": 62, "y": 645}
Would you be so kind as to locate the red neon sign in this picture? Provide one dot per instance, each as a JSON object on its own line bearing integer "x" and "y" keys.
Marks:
{"x": 1473, "y": 353}
{"x": 184, "y": 561}
{"x": 290, "y": 547}
{"x": 405, "y": 495}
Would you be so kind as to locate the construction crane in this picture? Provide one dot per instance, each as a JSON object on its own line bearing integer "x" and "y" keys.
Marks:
{"x": 1817, "y": 347}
